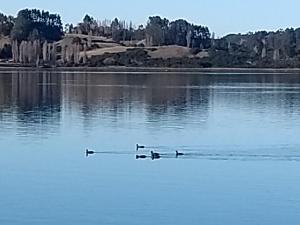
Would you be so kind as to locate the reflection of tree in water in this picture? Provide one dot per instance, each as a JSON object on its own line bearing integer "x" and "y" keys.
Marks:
{"x": 117, "y": 96}
{"x": 278, "y": 92}
{"x": 5, "y": 97}
{"x": 5, "y": 90}
{"x": 179, "y": 96}
{"x": 35, "y": 101}
{"x": 94, "y": 96}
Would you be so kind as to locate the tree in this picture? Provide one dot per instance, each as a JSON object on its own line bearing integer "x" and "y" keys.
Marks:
{"x": 139, "y": 34}
{"x": 88, "y": 19}
{"x": 22, "y": 26}
{"x": 201, "y": 37}
{"x": 156, "y": 31}
{"x": 86, "y": 25}
{"x": 116, "y": 30}
{"x": 6, "y": 52}
{"x": 34, "y": 35}
{"x": 68, "y": 28}
{"x": 178, "y": 32}
{"x": 6, "y": 24}
{"x": 121, "y": 31}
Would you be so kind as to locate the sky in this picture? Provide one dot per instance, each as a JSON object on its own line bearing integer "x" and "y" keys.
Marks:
{"x": 221, "y": 16}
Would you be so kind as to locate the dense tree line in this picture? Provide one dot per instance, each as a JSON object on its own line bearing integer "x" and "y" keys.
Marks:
{"x": 37, "y": 25}
{"x": 259, "y": 49}
{"x": 41, "y": 25}
{"x": 179, "y": 32}
{"x": 159, "y": 31}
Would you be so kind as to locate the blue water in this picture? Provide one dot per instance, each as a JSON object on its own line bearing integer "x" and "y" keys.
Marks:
{"x": 239, "y": 134}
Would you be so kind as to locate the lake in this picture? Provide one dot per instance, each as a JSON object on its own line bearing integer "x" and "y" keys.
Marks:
{"x": 239, "y": 133}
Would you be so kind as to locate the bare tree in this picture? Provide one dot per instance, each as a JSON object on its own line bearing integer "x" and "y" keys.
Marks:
{"x": 45, "y": 48}
{"x": 30, "y": 52}
{"x": 15, "y": 51}
{"x": 53, "y": 54}
{"x": 89, "y": 41}
{"x": 189, "y": 38}
{"x": 21, "y": 52}
{"x": 63, "y": 53}
{"x": 84, "y": 58}
{"x": 276, "y": 55}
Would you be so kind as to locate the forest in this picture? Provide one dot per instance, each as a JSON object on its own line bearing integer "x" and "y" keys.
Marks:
{"x": 37, "y": 37}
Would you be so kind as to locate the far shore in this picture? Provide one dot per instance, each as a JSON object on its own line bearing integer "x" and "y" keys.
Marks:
{"x": 149, "y": 70}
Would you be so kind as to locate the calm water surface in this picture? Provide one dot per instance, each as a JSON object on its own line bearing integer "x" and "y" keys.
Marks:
{"x": 239, "y": 133}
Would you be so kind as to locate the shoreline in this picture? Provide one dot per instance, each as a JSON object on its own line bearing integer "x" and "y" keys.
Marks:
{"x": 149, "y": 70}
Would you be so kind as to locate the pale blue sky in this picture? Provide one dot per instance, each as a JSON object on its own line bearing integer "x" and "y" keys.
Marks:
{"x": 221, "y": 16}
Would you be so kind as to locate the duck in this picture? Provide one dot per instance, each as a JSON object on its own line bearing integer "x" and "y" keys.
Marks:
{"x": 155, "y": 155}
{"x": 179, "y": 154}
{"x": 140, "y": 156}
{"x": 89, "y": 152}
{"x": 139, "y": 146}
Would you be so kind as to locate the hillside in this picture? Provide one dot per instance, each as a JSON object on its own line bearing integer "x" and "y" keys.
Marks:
{"x": 37, "y": 38}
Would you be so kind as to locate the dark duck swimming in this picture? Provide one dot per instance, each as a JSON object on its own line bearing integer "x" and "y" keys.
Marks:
{"x": 89, "y": 152}
{"x": 179, "y": 154}
{"x": 155, "y": 155}
{"x": 139, "y": 147}
{"x": 140, "y": 156}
